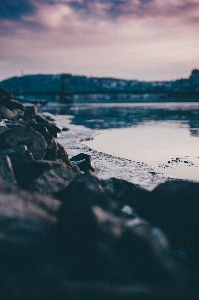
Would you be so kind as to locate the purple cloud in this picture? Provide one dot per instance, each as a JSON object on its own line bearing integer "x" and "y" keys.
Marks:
{"x": 25, "y": 12}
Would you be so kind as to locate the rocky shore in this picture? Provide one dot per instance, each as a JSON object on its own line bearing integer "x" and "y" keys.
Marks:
{"x": 65, "y": 233}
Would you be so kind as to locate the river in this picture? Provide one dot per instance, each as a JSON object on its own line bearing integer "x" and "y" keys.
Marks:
{"x": 164, "y": 136}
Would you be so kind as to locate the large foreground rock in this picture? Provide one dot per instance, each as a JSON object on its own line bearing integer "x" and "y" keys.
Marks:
{"x": 26, "y": 223}
{"x": 174, "y": 207}
{"x": 87, "y": 245}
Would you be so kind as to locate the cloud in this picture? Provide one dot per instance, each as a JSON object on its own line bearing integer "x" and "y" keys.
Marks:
{"x": 98, "y": 37}
{"x": 46, "y": 14}
{"x": 15, "y": 10}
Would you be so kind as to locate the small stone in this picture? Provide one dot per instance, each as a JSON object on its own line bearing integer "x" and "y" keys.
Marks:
{"x": 65, "y": 129}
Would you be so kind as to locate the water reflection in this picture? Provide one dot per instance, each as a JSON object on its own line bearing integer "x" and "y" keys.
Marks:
{"x": 107, "y": 116}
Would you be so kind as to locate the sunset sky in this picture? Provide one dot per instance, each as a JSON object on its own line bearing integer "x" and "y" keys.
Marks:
{"x": 128, "y": 39}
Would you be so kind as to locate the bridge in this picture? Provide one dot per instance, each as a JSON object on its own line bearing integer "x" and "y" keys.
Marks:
{"x": 66, "y": 95}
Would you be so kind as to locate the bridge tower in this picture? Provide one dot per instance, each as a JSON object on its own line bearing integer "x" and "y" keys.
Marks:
{"x": 66, "y": 91}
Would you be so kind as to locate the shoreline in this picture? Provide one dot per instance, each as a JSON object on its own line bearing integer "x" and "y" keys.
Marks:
{"x": 106, "y": 165}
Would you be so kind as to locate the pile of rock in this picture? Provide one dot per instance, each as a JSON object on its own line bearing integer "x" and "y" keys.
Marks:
{"x": 66, "y": 234}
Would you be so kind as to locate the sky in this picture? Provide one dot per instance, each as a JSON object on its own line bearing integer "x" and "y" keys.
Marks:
{"x": 149, "y": 40}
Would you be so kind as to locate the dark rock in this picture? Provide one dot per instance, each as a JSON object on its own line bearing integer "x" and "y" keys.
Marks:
{"x": 83, "y": 161}
{"x": 65, "y": 129}
{"x": 6, "y": 113}
{"x": 27, "y": 221}
{"x": 41, "y": 129}
{"x": 20, "y": 135}
{"x": 126, "y": 193}
{"x": 25, "y": 216}
{"x": 49, "y": 118}
{"x": 51, "y": 127}
{"x": 13, "y": 123}
{"x": 5, "y": 95}
{"x": 54, "y": 150}
{"x": 54, "y": 180}
{"x": 102, "y": 244}
{"x": 7, "y": 100}
{"x": 89, "y": 249}
{"x": 61, "y": 154}
{"x": 14, "y": 104}
{"x": 26, "y": 172}
{"x": 6, "y": 171}
{"x": 30, "y": 112}
{"x": 18, "y": 154}
{"x": 3, "y": 128}
{"x": 174, "y": 207}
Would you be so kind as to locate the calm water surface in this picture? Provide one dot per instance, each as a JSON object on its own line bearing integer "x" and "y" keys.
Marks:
{"x": 163, "y": 135}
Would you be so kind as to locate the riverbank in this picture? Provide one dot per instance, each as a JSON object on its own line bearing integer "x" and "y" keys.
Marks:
{"x": 106, "y": 165}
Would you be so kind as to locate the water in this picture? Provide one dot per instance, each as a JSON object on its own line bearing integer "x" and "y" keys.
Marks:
{"x": 162, "y": 135}
{"x": 167, "y": 146}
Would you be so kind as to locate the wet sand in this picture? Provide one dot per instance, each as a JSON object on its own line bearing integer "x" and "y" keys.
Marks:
{"x": 106, "y": 166}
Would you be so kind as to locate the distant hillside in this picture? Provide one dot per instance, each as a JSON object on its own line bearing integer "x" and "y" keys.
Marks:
{"x": 34, "y": 84}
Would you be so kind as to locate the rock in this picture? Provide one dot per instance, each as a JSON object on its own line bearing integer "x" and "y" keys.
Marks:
{"x": 50, "y": 126}
{"x": 174, "y": 208}
{"x": 43, "y": 130}
{"x": 65, "y": 129}
{"x": 101, "y": 244}
{"x": 14, "y": 104}
{"x": 7, "y": 100}
{"x": 54, "y": 151}
{"x": 6, "y": 171}
{"x": 83, "y": 161}
{"x": 54, "y": 180}
{"x": 61, "y": 154}
{"x": 2, "y": 129}
{"x": 3, "y": 126}
{"x": 25, "y": 216}
{"x": 20, "y": 135}
{"x": 5, "y": 95}
{"x": 13, "y": 123}
{"x": 27, "y": 221}
{"x": 30, "y": 112}
{"x": 18, "y": 154}
{"x": 127, "y": 193}
{"x": 6, "y": 113}
{"x": 26, "y": 172}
